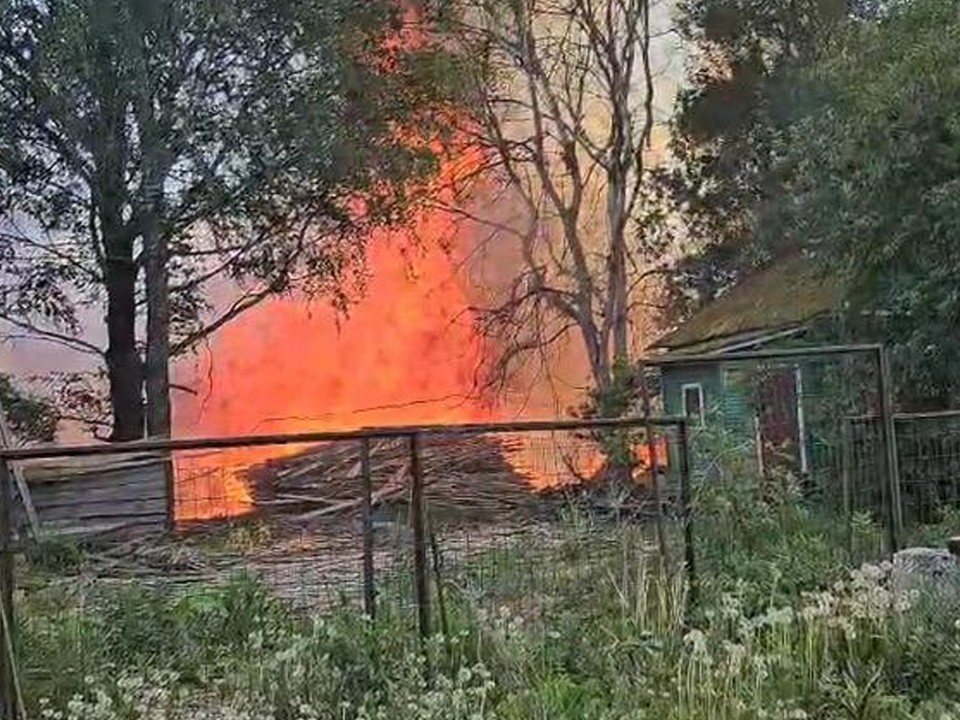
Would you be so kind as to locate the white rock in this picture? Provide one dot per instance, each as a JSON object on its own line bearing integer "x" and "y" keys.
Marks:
{"x": 926, "y": 569}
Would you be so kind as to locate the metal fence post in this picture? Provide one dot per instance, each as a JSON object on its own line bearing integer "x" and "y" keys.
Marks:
{"x": 421, "y": 589}
{"x": 891, "y": 462}
{"x": 651, "y": 442}
{"x": 369, "y": 586}
{"x": 846, "y": 467}
{"x": 9, "y": 700}
{"x": 686, "y": 500}
{"x": 170, "y": 491}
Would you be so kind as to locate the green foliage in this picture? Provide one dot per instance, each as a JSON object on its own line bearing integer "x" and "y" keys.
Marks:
{"x": 30, "y": 417}
{"x": 270, "y": 116}
{"x": 613, "y": 401}
{"x": 53, "y": 554}
{"x": 782, "y": 629}
{"x": 248, "y": 144}
{"x": 764, "y": 543}
{"x": 739, "y": 97}
{"x": 801, "y": 107}
{"x": 616, "y": 399}
{"x": 882, "y": 153}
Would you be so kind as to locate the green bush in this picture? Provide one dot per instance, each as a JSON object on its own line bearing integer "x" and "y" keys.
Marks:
{"x": 784, "y": 628}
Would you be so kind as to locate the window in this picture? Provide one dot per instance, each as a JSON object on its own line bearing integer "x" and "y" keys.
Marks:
{"x": 693, "y": 402}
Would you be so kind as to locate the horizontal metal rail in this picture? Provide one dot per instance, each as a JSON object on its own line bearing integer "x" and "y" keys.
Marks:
{"x": 374, "y": 433}
{"x": 932, "y": 415}
{"x": 908, "y": 417}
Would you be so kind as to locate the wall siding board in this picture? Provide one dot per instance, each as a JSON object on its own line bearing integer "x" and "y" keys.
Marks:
{"x": 96, "y": 496}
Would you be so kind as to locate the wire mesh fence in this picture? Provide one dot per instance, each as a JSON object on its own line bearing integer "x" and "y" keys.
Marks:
{"x": 928, "y": 452}
{"x": 413, "y": 525}
{"x": 417, "y": 528}
{"x": 788, "y": 419}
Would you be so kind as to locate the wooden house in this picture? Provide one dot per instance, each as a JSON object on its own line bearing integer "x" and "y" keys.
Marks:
{"x": 777, "y": 307}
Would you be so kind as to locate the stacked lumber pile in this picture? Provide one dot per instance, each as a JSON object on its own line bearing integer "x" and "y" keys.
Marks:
{"x": 464, "y": 477}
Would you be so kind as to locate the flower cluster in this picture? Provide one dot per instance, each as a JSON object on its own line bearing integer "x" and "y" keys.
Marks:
{"x": 163, "y": 696}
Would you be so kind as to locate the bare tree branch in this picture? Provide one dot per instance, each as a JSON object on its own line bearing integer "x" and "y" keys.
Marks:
{"x": 237, "y": 308}
{"x": 35, "y": 332}
{"x": 566, "y": 103}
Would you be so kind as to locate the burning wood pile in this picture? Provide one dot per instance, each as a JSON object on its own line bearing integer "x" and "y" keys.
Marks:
{"x": 466, "y": 478}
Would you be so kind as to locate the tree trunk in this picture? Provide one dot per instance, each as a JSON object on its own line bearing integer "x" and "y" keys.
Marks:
{"x": 124, "y": 369}
{"x": 156, "y": 252}
{"x": 618, "y": 294}
{"x": 110, "y": 150}
{"x": 158, "y": 331}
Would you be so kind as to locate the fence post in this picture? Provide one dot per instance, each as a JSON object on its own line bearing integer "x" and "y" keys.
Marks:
{"x": 421, "y": 589}
{"x": 170, "y": 491}
{"x": 686, "y": 500}
{"x": 19, "y": 479}
{"x": 657, "y": 498}
{"x": 846, "y": 467}
{"x": 9, "y": 700}
{"x": 369, "y": 587}
{"x": 654, "y": 475}
{"x": 889, "y": 435}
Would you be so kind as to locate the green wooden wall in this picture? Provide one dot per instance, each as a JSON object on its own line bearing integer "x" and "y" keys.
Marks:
{"x": 726, "y": 395}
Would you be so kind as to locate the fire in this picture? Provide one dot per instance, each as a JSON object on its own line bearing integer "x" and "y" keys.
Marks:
{"x": 407, "y": 353}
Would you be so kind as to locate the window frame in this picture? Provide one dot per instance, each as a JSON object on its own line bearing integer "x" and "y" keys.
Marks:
{"x": 684, "y": 388}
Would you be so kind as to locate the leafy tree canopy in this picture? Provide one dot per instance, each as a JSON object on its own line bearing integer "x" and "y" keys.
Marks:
{"x": 29, "y": 417}
{"x": 872, "y": 185}
{"x": 741, "y": 93}
{"x": 252, "y": 140}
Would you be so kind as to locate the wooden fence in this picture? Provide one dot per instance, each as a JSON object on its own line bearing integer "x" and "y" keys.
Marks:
{"x": 97, "y": 495}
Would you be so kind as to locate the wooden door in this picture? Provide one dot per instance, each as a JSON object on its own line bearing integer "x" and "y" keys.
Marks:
{"x": 778, "y": 420}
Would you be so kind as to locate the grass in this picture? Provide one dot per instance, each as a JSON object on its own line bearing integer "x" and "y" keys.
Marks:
{"x": 590, "y": 627}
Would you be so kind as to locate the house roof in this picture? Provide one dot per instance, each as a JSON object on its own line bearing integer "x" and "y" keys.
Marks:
{"x": 783, "y": 296}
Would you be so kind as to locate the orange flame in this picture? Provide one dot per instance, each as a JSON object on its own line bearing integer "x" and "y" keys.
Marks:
{"x": 408, "y": 352}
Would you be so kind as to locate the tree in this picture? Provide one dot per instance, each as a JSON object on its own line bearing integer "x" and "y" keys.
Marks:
{"x": 565, "y": 116}
{"x": 29, "y": 416}
{"x": 742, "y": 92}
{"x": 872, "y": 178}
{"x": 152, "y": 149}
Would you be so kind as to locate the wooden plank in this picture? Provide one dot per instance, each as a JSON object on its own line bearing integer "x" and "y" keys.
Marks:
{"x": 6, "y": 441}
{"x": 79, "y": 489}
{"x": 119, "y": 510}
{"x": 131, "y": 520}
{"x": 63, "y": 469}
{"x": 115, "y": 484}
{"x": 99, "y": 495}
{"x": 61, "y": 501}
{"x": 89, "y": 530}
{"x": 122, "y": 517}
